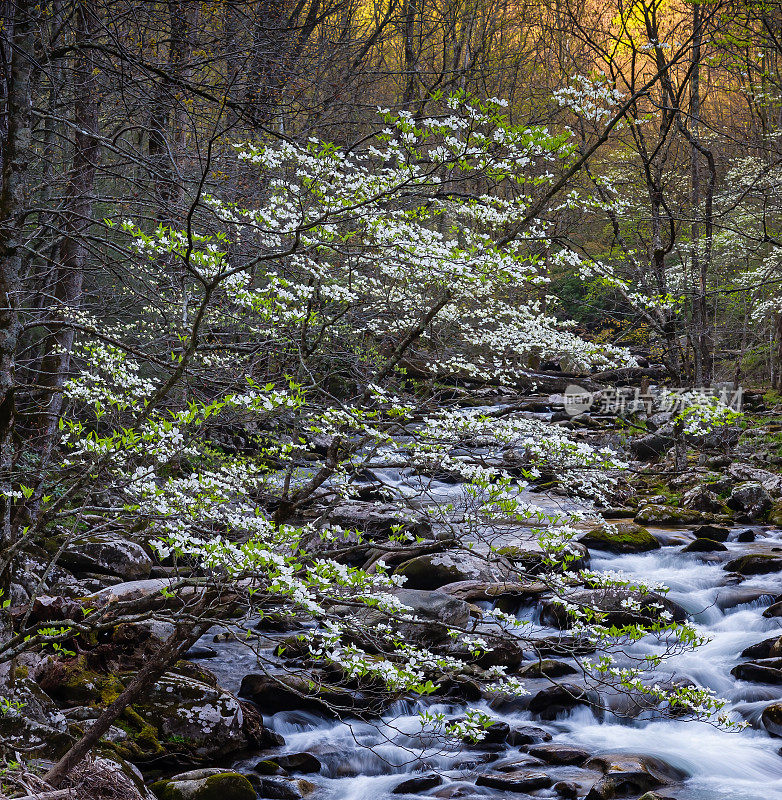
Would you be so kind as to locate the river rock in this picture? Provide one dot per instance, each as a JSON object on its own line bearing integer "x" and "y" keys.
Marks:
{"x": 757, "y": 672}
{"x": 560, "y": 754}
{"x": 378, "y": 520}
{"x": 291, "y": 691}
{"x": 702, "y": 545}
{"x": 527, "y": 734}
{"x": 621, "y": 537}
{"x": 755, "y": 564}
{"x": 768, "y": 648}
{"x": 434, "y": 570}
{"x": 774, "y": 610}
{"x": 518, "y": 781}
{"x": 751, "y": 499}
{"x": 108, "y": 553}
{"x": 717, "y": 533}
{"x": 297, "y": 762}
{"x": 612, "y": 603}
{"x": 205, "y": 784}
{"x": 553, "y": 700}
{"x": 626, "y": 774}
{"x": 419, "y": 783}
{"x": 276, "y": 788}
{"x": 536, "y": 561}
{"x": 567, "y": 790}
{"x": 547, "y": 668}
{"x": 504, "y": 591}
{"x": 435, "y": 611}
{"x": 730, "y": 597}
{"x": 562, "y": 645}
{"x": 659, "y": 514}
{"x": 772, "y": 718}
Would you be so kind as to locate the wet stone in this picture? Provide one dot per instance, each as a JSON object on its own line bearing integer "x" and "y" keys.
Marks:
{"x": 717, "y": 533}
{"x": 547, "y": 668}
{"x": 418, "y": 783}
{"x": 527, "y": 734}
{"x": 560, "y": 754}
{"x": 519, "y": 781}
{"x": 704, "y": 546}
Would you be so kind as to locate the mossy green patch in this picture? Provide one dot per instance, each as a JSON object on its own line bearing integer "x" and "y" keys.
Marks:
{"x": 621, "y": 537}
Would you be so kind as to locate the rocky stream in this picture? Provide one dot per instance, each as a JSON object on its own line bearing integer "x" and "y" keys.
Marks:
{"x": 709, "y": 535}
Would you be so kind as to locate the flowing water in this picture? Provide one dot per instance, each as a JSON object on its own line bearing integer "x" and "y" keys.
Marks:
{"x": 363, "y": 761}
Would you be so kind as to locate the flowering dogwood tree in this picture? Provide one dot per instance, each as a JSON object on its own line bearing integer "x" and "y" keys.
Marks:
{"x": 357, "y": 258}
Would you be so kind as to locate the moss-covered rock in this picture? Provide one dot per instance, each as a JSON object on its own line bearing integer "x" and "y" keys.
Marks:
{"x": 205, "y": 784}
{"x": 658, "y": 514}
{"x": 775, "y": 514}
{"x": 755, "y": 564}
{"x": 621, "y": 537}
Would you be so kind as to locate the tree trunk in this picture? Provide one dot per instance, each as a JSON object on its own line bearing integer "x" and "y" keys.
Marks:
{"x": 170, "y": 651}
{"x": 16, "y": 154}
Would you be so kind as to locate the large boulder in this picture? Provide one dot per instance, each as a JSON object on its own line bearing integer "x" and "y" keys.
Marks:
{"x": 751, "y": 499}
{"x": 755, "y": 564}
{"x": 701, "y": 498}
{"x": 658, "y": 514}
{"x": 653, "y": 445}
{"x": 31, "y": 722}
{"x": 377, "y": 520}
{"x": 207, "y": 718}
{"x": 184, "y": 717}
{"x": 205, "y": 784}
{"x": 434, "y": 570}
{"x": 435, "y": 613}
{"x": 110, "y": 554}
{"x": 554, "y": 700}
{"x": 770, "y": 481}
{"x": 620, "y": 537}
{"x": 629, "y": 774}
{"x": 617, "y": 605}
